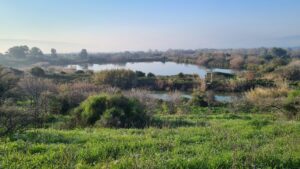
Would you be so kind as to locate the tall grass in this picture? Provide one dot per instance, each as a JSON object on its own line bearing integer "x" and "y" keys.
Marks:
{"x": 260, "y": 93}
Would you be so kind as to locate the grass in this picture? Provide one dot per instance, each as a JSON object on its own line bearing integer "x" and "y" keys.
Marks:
{"x": 215, "y": 140}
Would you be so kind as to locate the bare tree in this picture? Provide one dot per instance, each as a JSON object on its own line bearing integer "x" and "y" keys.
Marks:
{"x": 144, "y": 97}
{"x": 237, "y": 62}
{"x": 33, "y": 89}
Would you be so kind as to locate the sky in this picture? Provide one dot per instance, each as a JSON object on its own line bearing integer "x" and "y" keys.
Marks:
{"x": 132, "y": 25}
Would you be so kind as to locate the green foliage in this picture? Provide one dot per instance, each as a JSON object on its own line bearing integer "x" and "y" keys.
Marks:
{"x": 56, "y": 105}
{"x": 112, "y": 117}
{"x": 140, "y": 74}
{"x": 278, "y": 52}
{"x": 198, "y": 99}
{"x": 35, "y": 52}
{"x": 292, "y": 103}
{"x": 7, "y": 81}
{"x": 54, "y": 53}
{"x": 18, "y": 51}
{"x": 201, "y": 140}
{"x": 112, "y": 111}
{"x": 37, "y": 71}
{"x": 150, "y": 75}
{"x": 180, "y": 75}
{"x": 13, "y": 119}
{"x": 165, "y": 108}
{"x": 79, "y": 72}
{"x": 92, "y": 109}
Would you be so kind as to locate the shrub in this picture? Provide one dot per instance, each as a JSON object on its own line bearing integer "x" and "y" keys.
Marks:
{"x": 280, "y": 99}
{"x": 13, "y": 119}
{"x": 37, "y": 71}
{"x": 237, "y": 62}
{"x": 291, "y": 72}
{"x": 112, "y": 111}
{"x": 79, "y": 72}
{"x": 140, "y": 74}
{"x": 75, "y": 93}
{"x": 38, "y": 91}
{"x": 180, "y": 75}
{"x": 92, "y": 108}
{"x": 112, "y": 118}
{"x": 144, "y": 97}
{"x": 117, "y": 78}
{"x": 292, "y": 103}
{"x": 8, "y": 81}
{"x": 203, "y": 60}
{"x": 198, "y": 100}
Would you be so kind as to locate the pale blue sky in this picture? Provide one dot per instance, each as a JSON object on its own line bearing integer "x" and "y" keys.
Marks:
{"x": 118, "y": 25}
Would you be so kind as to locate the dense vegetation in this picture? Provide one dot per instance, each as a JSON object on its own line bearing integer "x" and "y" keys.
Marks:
{"x": 111, "y": 111}
{"x": 60, "y": 118}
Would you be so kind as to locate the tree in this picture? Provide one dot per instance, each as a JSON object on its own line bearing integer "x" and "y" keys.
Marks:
{"x": 237, "y": 62}
{"x": 83, "y": 53}
{"x": 278, "y": 52}
{"x": 140, "y": 74}
{"x": 150, "y": 75}
{"x": 36, "y": 52}
{"x": 180, "y": 75}
{"x": 18, "y": 51}
{"x": 53, "y": 53}
{"x": 34, "y": 89}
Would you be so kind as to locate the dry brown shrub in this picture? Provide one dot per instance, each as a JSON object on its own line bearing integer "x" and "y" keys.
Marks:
{"x": 267, "y": 99}
{"x": 237, "y": 62}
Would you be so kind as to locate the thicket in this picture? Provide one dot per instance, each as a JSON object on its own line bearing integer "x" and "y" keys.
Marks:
{"x": 111, "y": 111}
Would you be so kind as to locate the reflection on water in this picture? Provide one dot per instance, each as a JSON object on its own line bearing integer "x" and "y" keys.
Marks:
{"x": 158, "y": 68}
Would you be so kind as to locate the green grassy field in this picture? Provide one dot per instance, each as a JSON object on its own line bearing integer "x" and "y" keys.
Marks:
{"x": 183, "y": 141}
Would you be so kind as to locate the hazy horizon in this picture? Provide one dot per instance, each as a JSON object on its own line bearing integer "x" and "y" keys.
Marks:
{"x": 113, "y": 26}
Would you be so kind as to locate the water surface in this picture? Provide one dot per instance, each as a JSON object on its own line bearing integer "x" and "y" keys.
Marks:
{"x": 219, "y": 97}
{"x": 158, "y": 68}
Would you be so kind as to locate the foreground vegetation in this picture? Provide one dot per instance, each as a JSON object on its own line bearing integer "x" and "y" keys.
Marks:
{"x": 53, "y": 118}
{"x": 199, "y": 140}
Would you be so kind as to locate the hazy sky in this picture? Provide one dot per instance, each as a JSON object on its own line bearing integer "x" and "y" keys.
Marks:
{"x": 118, "y": 25}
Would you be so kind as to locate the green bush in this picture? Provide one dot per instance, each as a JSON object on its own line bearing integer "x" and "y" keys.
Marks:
{"x": 198, "y": 99}
{"x": 140, "y": 74}
{"x": 37, "y": 71}
{"x": 112, "y": 117}
{"x": 112, "y": 111}
{"x": 292, "y": 103}
{"x": 92, "y": 108}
